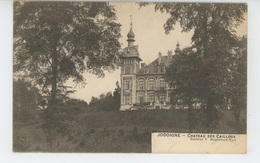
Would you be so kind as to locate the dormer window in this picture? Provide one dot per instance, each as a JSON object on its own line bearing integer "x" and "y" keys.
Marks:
{"x": 146, "y": 70}
{"x": 162, "y": 68}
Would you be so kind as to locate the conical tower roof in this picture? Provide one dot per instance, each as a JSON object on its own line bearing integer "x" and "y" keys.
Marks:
{"x": 130, "y": 33}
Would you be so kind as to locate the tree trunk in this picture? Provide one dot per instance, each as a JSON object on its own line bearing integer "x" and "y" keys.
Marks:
{"x": 53, "y": 98}
{"x": 209, "y": 120}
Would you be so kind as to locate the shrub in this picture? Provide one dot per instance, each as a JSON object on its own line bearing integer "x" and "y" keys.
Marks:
{"x": 121, "y": 132}
{"x": 106, "y": 132}
{"x": 92, "y": 131}
{"x": 135, "y": 132}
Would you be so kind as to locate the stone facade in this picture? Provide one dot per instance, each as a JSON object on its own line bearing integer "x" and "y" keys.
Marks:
{"x": 143, "y": 86}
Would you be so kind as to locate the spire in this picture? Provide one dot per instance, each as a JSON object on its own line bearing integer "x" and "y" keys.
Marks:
{"x": 131, "y": 35}
{"x": 131, "y": 21}
{"x": 177, "y": 48}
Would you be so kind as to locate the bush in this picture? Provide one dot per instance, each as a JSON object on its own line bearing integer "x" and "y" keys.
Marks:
{"x": 106, "y": 132}
{"x": 92, "y": 131}
{"x": 135, "y": 132}
{"x": 121, "y": 132}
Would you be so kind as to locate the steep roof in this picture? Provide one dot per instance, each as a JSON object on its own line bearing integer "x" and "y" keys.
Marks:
{"x": 153, "y": 66}
{"x": 131, "y": 33}
{"x": 131, "y": 51}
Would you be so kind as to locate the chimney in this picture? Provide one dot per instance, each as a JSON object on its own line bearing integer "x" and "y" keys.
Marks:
{"x": 160, "y": 58}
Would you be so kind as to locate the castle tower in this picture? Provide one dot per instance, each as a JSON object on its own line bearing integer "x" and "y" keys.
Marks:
{"x": 131, "y": 37}
{"x": 129, "y": 68}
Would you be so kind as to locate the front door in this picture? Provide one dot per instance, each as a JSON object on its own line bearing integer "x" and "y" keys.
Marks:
{"x": 141, "y": 99}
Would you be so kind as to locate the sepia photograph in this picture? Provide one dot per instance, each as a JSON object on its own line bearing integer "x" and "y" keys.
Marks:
{"x": 129, "y": 77}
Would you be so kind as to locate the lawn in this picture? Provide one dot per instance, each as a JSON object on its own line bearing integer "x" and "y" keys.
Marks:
{"x": 114, "y": 131}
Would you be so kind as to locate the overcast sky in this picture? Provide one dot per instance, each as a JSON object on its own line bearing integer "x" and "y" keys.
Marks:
{"x": 150, "y": 38}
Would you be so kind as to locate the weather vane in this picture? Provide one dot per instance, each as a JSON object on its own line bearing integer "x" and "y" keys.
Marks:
{"x": 131, "y": 21}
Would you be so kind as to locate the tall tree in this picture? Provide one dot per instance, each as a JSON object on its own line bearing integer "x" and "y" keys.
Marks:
{"x": 182, "y": 75}
{"x": 214, "y": 40}
{"x": 55, "y": 41}
{"x": 117, "y": 97}
{"x": 238, "y": 86}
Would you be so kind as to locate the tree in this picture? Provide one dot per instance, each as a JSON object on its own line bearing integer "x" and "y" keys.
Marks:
{"x": 215, "y": 43}
{"x": 55, "y": 41}
{"x": 117, "y": 96}
{"x": 182, "y": 75}
{"x": 238, "y": 86}
{"x": 25, "y": 101}
{"x": 106, "y": 102}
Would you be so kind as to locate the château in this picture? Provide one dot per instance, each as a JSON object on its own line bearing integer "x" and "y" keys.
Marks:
{"x": 143, "y": 86}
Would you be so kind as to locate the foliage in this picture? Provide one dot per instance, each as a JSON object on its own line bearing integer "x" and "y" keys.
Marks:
{"x": 205, "y": 72}
{"x": 25, "y": 101}
{"x": 106, "y": 102}
{"x": 117, "y": 96}
{"x": 238, "y": 87}
{"x": 55, "y": 41}
{"x": 55, "y": 125}
{"x": 121, "y": 132}
{"x": 58, "y": 121}
{"x": 76, "y": 105}
{"x": 134, "y": 133}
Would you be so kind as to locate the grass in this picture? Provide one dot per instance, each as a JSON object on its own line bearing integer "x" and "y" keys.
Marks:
{"x": 157, "y": 120}
{"x": 127, "y": 131}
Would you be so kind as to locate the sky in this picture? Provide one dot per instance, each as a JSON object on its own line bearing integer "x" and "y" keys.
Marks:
{"x": 150, "y": 38}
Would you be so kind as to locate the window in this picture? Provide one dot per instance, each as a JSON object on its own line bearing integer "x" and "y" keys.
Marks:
{"x": 161, "y": 84}
{"x": 127, "y": 99}
{"x": 127, "y": 70}
{"x": 141, "y": 99}
{"x": 129, "y": 60}
{"x": 146, "y": 70}
{"x": 127, "y": 84}
{"x": 151, "y": 84}
{"x": 161, "y": 68}
{"x": 150, "y": 97}
{"x": 141, "y": 84}
{"x": 161, "y": 98}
